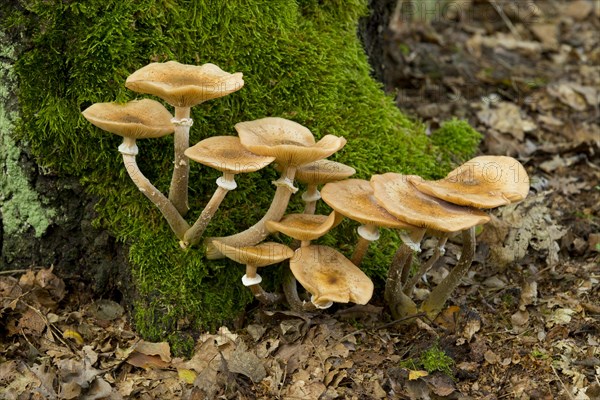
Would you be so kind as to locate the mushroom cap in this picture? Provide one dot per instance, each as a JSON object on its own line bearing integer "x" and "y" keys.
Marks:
{"x": 354, "y": 199}
{"x": 395, "y": 192}
{"x": 226, "y": 154}
{"x": 137, "y": 119}
{"x": 183, "y": 85}
{"x": 261, "y": 255}
{"x": 305, "y": 226}
{"x": 321, "y": 171}
{"x": 329, "y": 276}
{"x": 482, "y": 182}
{"x": 289, "y": 142}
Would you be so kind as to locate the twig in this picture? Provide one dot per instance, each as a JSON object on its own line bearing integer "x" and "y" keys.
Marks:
{"x": 386, "y": 325}
{"x": 506, "y": 20}
{"x": 562, "y": 383}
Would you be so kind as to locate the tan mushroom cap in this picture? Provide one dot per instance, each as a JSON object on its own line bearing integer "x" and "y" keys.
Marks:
{"x": 261, "y": 255}
{"x": 354, "y": 199}
{"x": 226, "y": 154}
{"x": 137, "y": 119}
{"x": 289, "y": 142}
{"x": 183, "y": 85}
{"x": 305, "y": 226}
{"x": 482, "y": 182}
{"x": 321, "y": 171}
{"x": 329, "y": 276}
{"x": 395, "y": 192}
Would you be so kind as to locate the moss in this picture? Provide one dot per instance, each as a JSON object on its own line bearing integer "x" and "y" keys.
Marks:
{"x": 458, "y": 138}
{"x": 435, "y": 359}
{"x": 21, "y": 208}
{"x": 301, "y": 60}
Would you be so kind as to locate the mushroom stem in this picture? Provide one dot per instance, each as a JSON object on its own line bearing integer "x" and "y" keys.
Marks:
{"x": 265, "y": 297}
{"x": 366, "y": 234}
{"x": 310, "y": 197}
{"x": 290, "y": 290}
{"x": 225, "y": 184}
{"x": 413, "y": 241}
{"x": 426, "y": 266}
{"x": 393, "y": 285}
{"x": 252, "y": 280}
{"x": 258, "y": 232}
{"x": 437, "y": 298}
{"x": 129, "y": 150}
{"x": 178, "y": 191}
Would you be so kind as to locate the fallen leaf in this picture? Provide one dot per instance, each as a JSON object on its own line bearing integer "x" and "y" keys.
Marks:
{"x": 161, "y": 349}
{"x": 246, "y": 363}
{"x": 187, "y": 375}
{"x": 416, "y": 374}
{"x": 560, "y": 316}
{"x": 505, "y": 117}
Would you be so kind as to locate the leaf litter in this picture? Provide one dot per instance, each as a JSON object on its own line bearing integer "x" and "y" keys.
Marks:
{"x": 525, "y": 322}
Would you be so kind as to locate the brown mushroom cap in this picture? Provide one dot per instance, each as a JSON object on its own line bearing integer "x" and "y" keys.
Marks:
{"x": 329, "y": 276}
{"x": 395, "y": 192}
{"x": 289, "y": 142}
{"x": 261, "y": 255}
{"x": 226, "y": 154}
{"x": 482, "y": 182}
{"x": 304, "y": 226}
{"x": 137, "y": 119}
{"x": 321, "y": 171}
{"x": 183, "y": 85}
{"x": 354, "y": 199}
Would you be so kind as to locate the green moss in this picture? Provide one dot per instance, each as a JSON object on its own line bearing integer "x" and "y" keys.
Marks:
{"x": 301, "y": 60}
{"x": 435, "y": 359}
{"x": 458, "y": 138}
{"x": 21, "y": 208}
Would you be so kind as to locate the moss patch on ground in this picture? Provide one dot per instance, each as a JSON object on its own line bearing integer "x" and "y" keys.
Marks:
{"x": 301, "y": 60}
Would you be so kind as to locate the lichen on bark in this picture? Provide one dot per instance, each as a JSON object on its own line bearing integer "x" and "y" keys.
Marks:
{"x": 21, "y": 208}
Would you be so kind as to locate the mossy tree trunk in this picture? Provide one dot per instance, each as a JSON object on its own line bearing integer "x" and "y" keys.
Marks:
{"x": 301, "y": 60}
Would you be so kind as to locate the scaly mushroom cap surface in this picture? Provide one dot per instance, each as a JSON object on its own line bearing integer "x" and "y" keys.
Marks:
{"x": 482, "y": 182}
{"x": 321, "y": 171}
{"x": 261, "y": 255}
{"x": 304, "y": 226}
{"x": 354, "y": 199}
{"x": 226, "y": 154}
{"x": 329, "y": 276}
{"x": 137, "y": 119}
{"x": 395, "y": 192}
{"x": 183, "y": 85}
{"x": 289, "y": 142}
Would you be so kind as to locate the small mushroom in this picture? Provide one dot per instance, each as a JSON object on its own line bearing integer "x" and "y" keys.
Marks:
{"x": 482, "y": 182}
{"x": 354, "y": 199}
{"x": 226, "y": 154}
{"x": 305, "y": 227}
{"x": 134, "y": 120}
{"x": 292, "y": 145}
{"x": 317, "y": 173}
{"x": 330, "y": 277}
{"x": 255, "y": 257}
{"x": 183, "y": 86}
{"x": 399, "y": 196}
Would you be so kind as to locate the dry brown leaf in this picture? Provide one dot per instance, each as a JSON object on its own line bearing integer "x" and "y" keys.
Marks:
{"x": 145, "y": 361}
{"x": 304, "y": 390}
{"x": 161, "y": 349}
{"x": 505, "y": 117}
{"x": 242, "y": 361}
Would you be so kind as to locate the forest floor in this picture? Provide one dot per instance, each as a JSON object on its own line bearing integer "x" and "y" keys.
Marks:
{"x": 524, "y": 324}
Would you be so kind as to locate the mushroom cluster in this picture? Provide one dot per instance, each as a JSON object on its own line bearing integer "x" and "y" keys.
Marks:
{"x": 407, "y": 203}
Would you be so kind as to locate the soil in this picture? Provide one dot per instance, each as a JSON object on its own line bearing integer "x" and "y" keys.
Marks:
{"x": 524, "y": 323}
